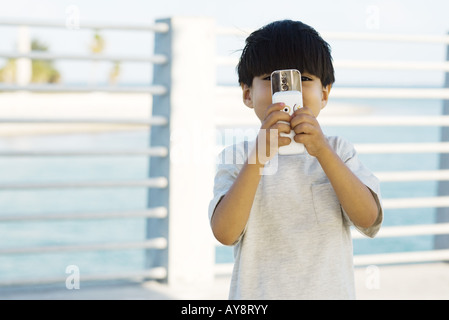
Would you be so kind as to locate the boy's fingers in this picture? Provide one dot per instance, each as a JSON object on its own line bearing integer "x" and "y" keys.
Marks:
{"x": 274, "y": 107}
{"x": 304, "y": 127}
{"x": 301, "y": 119}
{"x": 281, "y": 126}
{"x": 304, "y": 116}
{"x": 303, "y": 110}
{"x": 283, "y": 141}
{"x": 274, "y": 115}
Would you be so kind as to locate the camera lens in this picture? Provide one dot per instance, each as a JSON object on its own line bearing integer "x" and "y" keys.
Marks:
{"x": 284, "y": 82}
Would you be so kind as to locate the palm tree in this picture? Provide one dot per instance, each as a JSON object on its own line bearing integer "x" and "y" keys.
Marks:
{"x": 97, "y": 46}
{"x": 115, "y": 73}
{"x": 43, "y": 71}
{"x": 8, "y": 72}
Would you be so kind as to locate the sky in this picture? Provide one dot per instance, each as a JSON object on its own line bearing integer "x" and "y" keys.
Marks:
{"x": 361, "y": 16}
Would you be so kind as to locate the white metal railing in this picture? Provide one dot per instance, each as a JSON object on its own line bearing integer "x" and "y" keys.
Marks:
{"x": 355, "y": 36}
{"x": 158, "y": 213}
{"x": 151, "y": 152}
{"x": 53, "y": 88}
{"x": 156, "y": 243}
{"x": 24, "y": 54}
{"x": 434, "y": 147}
{"x": 153, "y": 121}
{"x": 155, "y": 27}
{"x": 156, "y": 182}
{"x": 160, "y": 182}
{"x": 154, "y": 59}
{"x": 155, "y": 273}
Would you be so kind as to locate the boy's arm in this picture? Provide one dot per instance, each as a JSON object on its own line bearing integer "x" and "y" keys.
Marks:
{"x": 355, "y": 198}
{"x": 232, "y": 211}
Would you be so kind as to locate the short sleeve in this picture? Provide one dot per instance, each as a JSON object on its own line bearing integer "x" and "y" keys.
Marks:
{"x": 229, "y": 163}
{"x": 349, "y": 156}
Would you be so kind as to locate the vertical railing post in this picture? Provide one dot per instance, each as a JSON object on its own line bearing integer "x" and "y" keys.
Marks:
{"x": 190, "y": 137}
{"x": 442, "y": 214}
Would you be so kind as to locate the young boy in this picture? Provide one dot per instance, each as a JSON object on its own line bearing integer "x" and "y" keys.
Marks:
{"x": 290, "y": 228}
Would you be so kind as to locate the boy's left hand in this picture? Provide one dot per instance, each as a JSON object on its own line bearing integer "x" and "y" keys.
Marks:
{"x": 308, "y": 131}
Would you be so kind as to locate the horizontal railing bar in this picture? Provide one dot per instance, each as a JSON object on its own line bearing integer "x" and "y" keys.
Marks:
{"x": 363, "y": 64}
{"x": 156, "y": 243}
{"x": 155, "y": 59}
{"x": 442, "y": 147}
{"x": 407, "y": 203}
{"x": 406, "y": 176}
{"x": 330, "y": 121}
{"x": 391, "y": 93}
{"x": 156, "y": 27}
{"x": 392, "y": 65}
{"x": 158, "y": 273}
{"x": 157, "y": 213}
{"x": 401, "y": 257}
{"x": 404, "y": 231}
{"x": 160, "y": 182}
{"x": 422, "y": 121}
{"x": 366, "y": 36}
{"x": 154, "y": 90}
{"x": 153, "y": 121}
{"x": 392, "y": 148}
{"x": 356, "y": 93}
{"x": 150, "y": 152}
{"x": 361, "y": 36}
{"x": 437, "y": 121}
{"x": 372, "y": 259}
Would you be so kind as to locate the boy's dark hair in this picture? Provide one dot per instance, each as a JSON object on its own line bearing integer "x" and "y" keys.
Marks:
{"x": 285, "y": 44}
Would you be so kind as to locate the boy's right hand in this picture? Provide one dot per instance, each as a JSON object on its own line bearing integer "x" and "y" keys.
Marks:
{"x": 269, "y": 140}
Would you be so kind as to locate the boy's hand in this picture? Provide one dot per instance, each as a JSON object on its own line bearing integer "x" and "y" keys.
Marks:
{"x": 269, "y": 139}
{"x": 308, "y": 131}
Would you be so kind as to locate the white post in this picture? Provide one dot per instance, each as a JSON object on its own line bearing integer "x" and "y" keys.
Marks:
{"x": 23, "y": 66}
{"x": 190, "y": 136}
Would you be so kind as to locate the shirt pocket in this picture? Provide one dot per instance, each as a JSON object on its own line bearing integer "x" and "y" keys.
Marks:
{"x": 326, "y": 205}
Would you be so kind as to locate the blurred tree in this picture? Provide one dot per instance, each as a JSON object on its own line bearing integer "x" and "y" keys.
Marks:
{"x": 97, "y": 46}
{"x": 43, "y": 71}
{"x": 8, "y": 72}
{"x": 114, "y": 75}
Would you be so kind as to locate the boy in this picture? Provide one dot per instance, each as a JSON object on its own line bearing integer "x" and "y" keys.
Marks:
{"x": 290, "y": 229}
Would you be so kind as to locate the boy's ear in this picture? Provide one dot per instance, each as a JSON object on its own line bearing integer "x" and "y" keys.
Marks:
{"x": 325, "y": 95}
{"x": 247, "y": 96}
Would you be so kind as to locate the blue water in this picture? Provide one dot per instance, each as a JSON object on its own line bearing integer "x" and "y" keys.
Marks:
{"x": 54, "y": 169}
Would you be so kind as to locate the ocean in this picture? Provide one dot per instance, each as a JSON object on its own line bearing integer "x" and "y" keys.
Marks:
{"x": 58, "y": 169}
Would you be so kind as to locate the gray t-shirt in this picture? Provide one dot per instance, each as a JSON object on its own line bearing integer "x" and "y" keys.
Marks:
{"x": 297, "y": 242}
